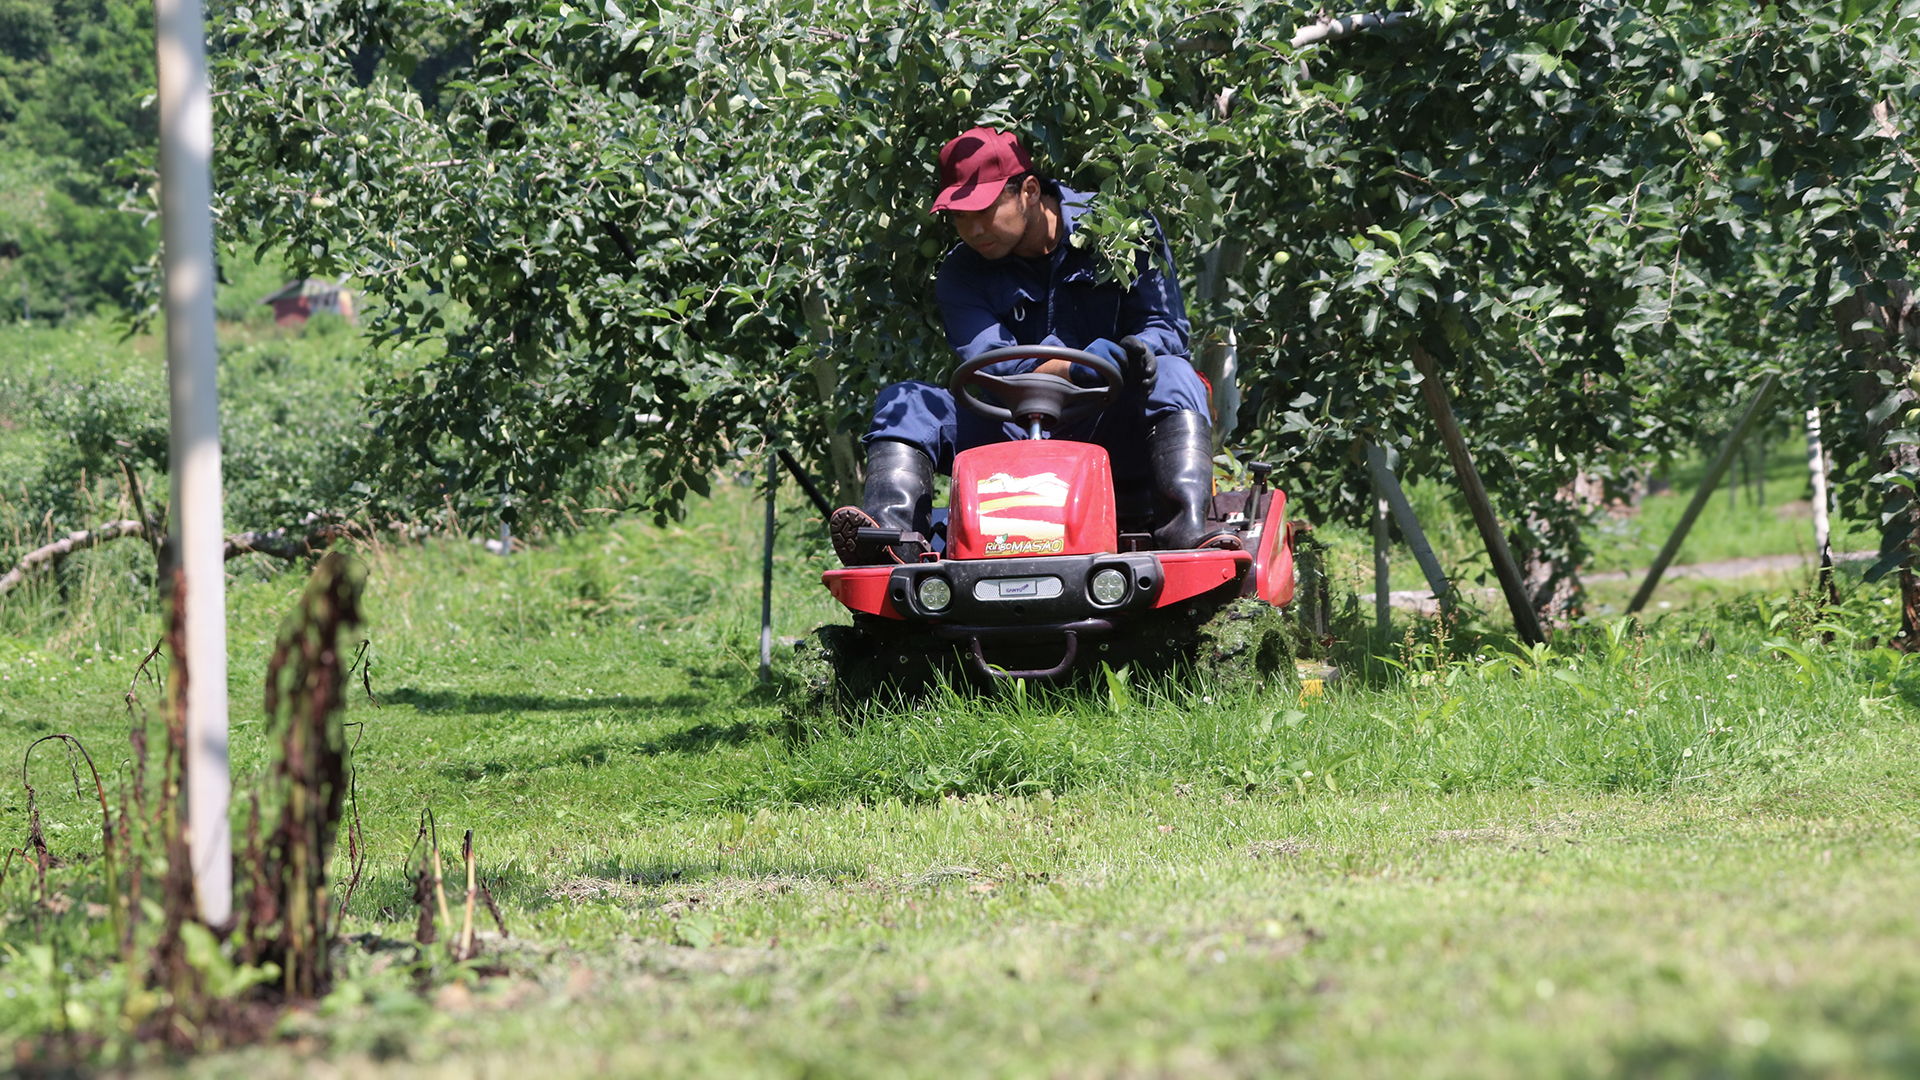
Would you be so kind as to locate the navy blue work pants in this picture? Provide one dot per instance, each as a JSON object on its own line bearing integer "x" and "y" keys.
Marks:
{"x": 924, "y": 415}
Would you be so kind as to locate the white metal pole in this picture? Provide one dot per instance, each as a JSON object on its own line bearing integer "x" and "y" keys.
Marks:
{"x": 186, "y": 233}
{"x": 1817, "y": 467}
{"x": 766, "y": 576}
{"x": 1822, "y": 527}
{"x": 1382, "y": 580}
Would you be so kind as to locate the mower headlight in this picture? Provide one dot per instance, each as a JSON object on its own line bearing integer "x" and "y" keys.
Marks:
{"x": 1108, "y": 586}
{"x": 935, "y": 593}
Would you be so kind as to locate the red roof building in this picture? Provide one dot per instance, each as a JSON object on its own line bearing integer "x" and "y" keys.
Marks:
{"x": 293, "y": 305}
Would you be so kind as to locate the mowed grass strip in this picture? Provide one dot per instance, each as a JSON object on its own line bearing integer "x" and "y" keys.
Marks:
{"x": 1677, "y": 852}
{"x": 1196, "y": 934}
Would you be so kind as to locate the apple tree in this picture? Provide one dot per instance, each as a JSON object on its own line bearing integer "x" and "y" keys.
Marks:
{"x": 622, "y": 245}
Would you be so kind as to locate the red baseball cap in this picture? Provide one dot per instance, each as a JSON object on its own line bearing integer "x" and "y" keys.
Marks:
{"x": 976, "y": 165}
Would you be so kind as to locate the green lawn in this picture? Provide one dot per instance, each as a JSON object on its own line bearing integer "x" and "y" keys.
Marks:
{"x": 1666, "y": 852}
{"x": 1654, "y": 859}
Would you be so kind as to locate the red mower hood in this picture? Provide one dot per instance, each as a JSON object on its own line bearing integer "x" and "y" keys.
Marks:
{"x": 1044, "y": 497}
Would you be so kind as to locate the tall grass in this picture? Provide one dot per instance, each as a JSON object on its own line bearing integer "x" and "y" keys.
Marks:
{"x": 1614, "y": 709}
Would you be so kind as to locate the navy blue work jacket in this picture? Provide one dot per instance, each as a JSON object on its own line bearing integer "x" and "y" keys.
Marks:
{"x": 1054, "y": 299}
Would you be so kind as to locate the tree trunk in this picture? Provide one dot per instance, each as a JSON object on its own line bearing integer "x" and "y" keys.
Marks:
{"x": 1877, "y": 338}
{"x": 1553, "y": 584}
{"x": 826, "y": 379}
{"x": 1526, "y": 621}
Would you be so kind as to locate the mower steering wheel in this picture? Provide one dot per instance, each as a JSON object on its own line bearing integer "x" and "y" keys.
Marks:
{"x": 1049, "y": 397}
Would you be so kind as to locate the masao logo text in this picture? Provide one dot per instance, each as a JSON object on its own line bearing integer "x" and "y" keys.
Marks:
{"x": 1000, "y": 545}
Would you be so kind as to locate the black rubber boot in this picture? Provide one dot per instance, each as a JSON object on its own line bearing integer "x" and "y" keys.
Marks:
{"x": 1181, "y": 448}
{"x": 898, "y": 499}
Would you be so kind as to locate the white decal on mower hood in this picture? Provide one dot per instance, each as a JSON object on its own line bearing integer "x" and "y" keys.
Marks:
{"x": 1042, "y": 489}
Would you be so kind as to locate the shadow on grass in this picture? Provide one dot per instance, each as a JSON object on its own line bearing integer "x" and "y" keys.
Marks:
{"x": 1867, "y": 1031}
{"x": 484, "y": 704}
{"x": 698, "y": 739}
{"x": 741, "y": 869}
{"x": 657, "y": 882}
{"x": 387, "y": 895}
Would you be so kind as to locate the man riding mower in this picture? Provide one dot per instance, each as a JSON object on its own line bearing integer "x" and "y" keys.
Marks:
{"x": 1017, "y": 280}
{"x": 1083, "y": 521}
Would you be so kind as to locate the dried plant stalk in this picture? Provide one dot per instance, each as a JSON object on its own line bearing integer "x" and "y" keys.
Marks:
{"x": 309, "y": 779}
{"x": 170, "y": 967}
{"x": 107, "y": 853}
{"x": 466, "y": 924}
{"x": 439, "y": 884}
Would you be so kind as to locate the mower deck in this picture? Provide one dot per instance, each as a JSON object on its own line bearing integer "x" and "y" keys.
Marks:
{"x": 1035, "y": 590}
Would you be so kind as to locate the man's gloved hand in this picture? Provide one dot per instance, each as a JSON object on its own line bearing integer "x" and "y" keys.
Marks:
{"x": 1106, "y": 350}
{"x": 1138, "y": 365}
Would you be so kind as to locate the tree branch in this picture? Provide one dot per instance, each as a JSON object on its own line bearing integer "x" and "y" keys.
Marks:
{"x": 275, "y": 542}
{"x": 278, "y": 544}
{"x": 1344, "y": 26}
{"x": 74, "y": 541}
{"x": 1325, "y": 29}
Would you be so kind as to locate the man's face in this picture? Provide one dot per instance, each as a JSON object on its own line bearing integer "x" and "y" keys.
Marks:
{"x": 996, "y": 230}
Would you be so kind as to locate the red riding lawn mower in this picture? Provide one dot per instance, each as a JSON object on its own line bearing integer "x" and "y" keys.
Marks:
{"x": 1035, "y": 580}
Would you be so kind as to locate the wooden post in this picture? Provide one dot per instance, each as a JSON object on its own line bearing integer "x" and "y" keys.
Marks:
{"x": 1526, "y": 622}
{"x": 1382, "y": 464}
{"x": 1707, "y": 485}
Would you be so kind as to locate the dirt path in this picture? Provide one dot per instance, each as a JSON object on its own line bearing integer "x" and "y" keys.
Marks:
{"x": 1421, "y": 601}
{"x": 1734, "y": 568}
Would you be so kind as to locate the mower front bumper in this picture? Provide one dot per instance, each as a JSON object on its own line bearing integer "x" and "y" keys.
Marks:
{"x": 1042, "y": 591}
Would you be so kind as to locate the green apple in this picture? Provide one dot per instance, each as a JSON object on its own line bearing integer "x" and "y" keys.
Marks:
{"x": 360, "y": 141}
{"x": 930, "y": 248}
{"x": 1282, "y": 258}
{"x": 1153, "y": 51}
{"x": 458, "y": 262}
{"x": 1712, "y": 140}
{"x": 1913, "y": 417}
{"x": 1155, "y": 182}
{"x": 1913, "y": 380}
{"x": 486, "y": 351}
{"x": 319, "y": 202}
{"x": 962, "y": 97}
